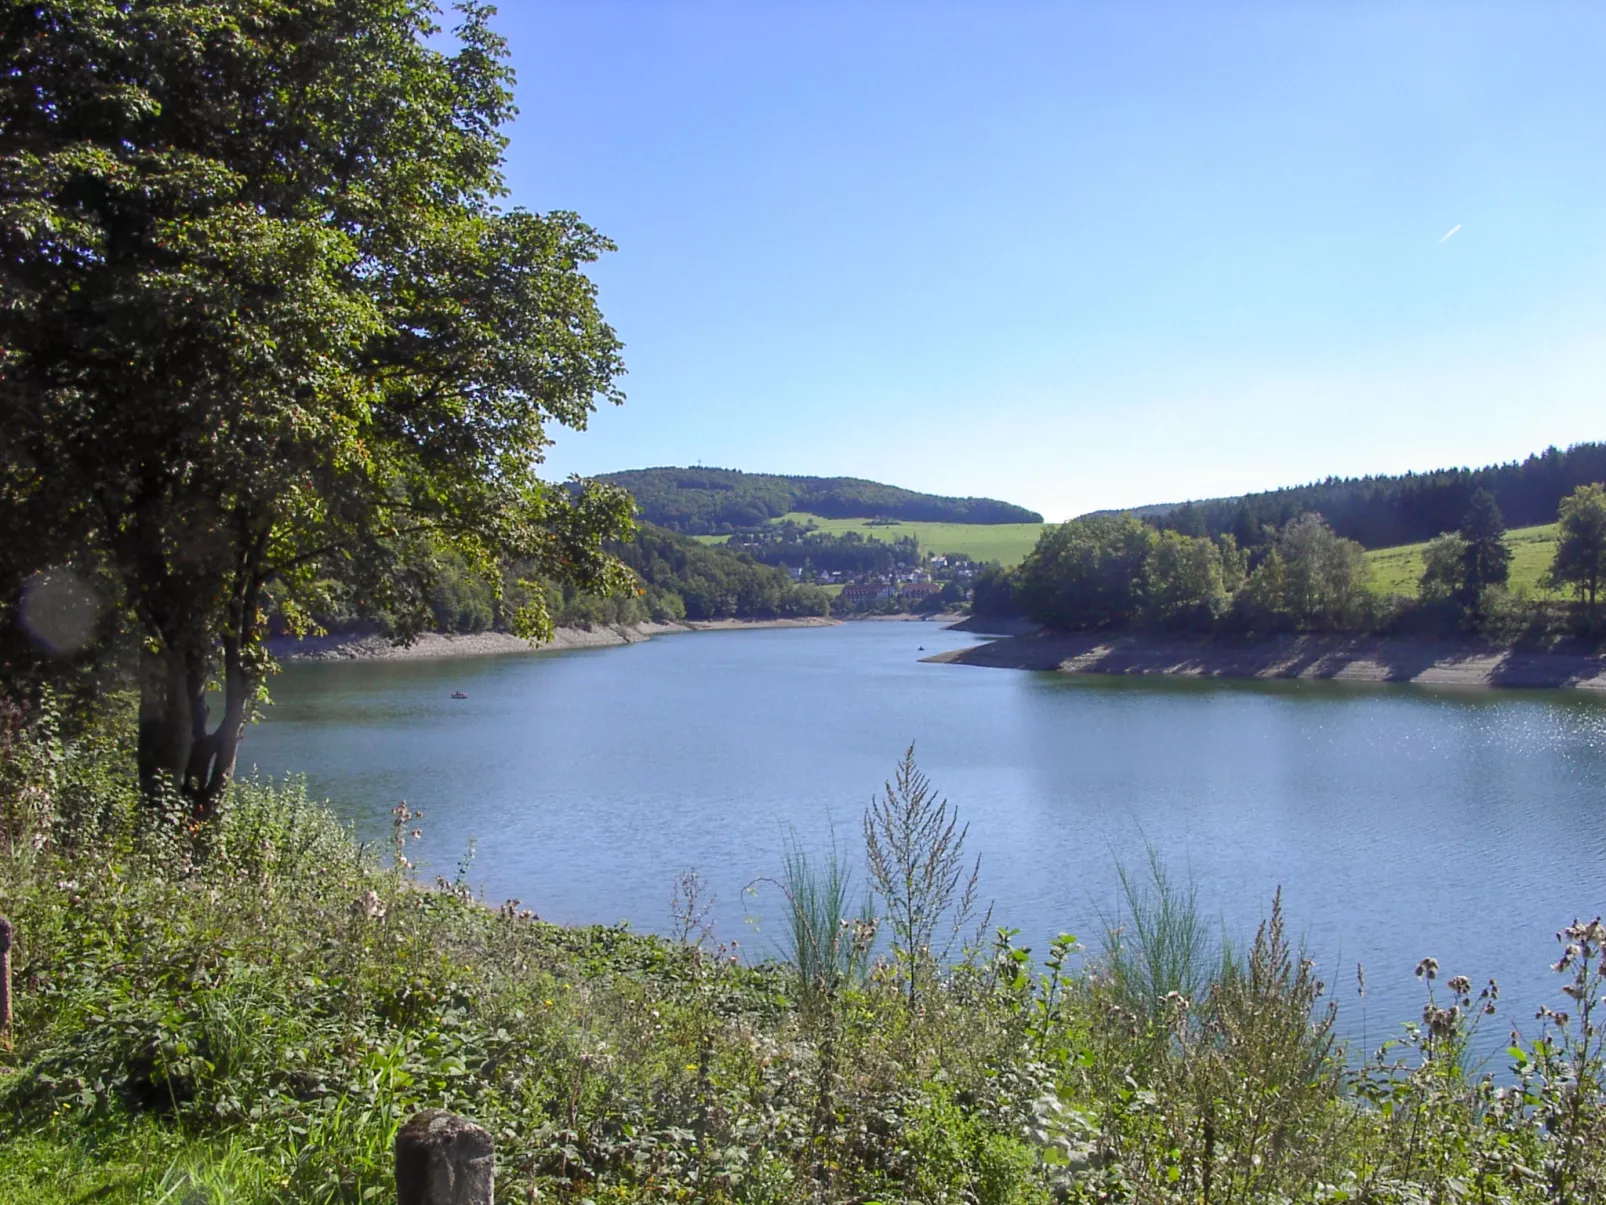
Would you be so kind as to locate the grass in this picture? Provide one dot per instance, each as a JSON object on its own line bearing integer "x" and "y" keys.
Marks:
{"x": 1007, "y": 543}
{"x": 1399, "y": 570}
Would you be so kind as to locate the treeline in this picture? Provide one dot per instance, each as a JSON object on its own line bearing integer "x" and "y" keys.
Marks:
{"x": 701, "y": 501}
{"x": 1116, "y": 571}
{"x": 1381, "y": 512}
{"x": 793, "y": 546}
{"x": 676, "y": 577}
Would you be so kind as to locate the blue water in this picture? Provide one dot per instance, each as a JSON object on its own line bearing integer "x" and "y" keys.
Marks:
{"x": 1400, "y": 821}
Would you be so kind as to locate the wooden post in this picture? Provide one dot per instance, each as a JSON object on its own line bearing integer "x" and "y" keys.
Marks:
{"x": 443, "y": 1159}
{"x": 5, "y": 980}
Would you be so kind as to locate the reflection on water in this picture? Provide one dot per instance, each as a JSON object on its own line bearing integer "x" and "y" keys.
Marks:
{"x": 1400, "y": 821}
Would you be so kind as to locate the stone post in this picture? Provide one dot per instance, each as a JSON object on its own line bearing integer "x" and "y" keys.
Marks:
{"x": 443, "y": 1159}
{"x": 5, "y": 979}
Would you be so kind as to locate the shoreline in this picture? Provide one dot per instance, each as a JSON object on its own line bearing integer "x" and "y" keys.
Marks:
{"x": 370, "y": 646}
{"x": 1311, "y": 658}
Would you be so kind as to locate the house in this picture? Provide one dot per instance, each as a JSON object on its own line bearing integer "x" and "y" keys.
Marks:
{"x": 862, "y": 594}
{"x": 919, "y": 590}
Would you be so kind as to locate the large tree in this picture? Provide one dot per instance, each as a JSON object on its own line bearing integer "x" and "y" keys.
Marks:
{"x": 265, "y": 323}
{"x": 1580, "y": 559}
{"x": 1087, "y": 573}
{"x": 1486, "y": 558}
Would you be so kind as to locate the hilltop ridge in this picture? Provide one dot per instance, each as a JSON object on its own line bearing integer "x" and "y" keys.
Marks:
{"x": 706, "y": 501}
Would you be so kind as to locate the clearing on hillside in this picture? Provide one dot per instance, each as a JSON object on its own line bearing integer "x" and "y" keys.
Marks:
{"x": 1007, "y": 543}
{"x": 1399, "y": 570}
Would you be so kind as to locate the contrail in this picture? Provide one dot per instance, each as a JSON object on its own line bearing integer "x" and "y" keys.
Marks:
{"x": 1453, "y": 229}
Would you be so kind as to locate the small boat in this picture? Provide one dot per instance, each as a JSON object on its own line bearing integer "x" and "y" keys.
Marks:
{"x": 457, "y": 694}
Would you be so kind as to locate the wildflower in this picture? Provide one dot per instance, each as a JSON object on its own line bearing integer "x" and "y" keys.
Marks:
{"x": 368, "y": 906}
{"x": 1428, "y": 967}
{"x": 1461, "y": 985}
{"x": 1440, "y": 1021}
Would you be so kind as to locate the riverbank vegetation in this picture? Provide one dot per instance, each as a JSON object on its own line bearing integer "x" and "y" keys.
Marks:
{"x": 246, "y": 1012}
{"x": 1117, "y": 571}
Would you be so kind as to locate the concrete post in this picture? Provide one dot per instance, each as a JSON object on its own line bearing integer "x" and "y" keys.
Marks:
{"x": 443, "y": 1159}
{"x": 5, "y": 979}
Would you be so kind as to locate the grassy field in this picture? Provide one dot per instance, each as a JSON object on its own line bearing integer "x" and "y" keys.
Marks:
{"x": 1007, "y": 543}
{"x": 1399, "y": 570}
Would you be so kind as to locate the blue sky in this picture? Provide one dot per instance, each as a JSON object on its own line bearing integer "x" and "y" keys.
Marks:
{"x": 1079, "y": 255}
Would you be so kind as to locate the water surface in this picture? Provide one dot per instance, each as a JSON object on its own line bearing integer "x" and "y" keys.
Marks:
{"x": 1400, "y": 821}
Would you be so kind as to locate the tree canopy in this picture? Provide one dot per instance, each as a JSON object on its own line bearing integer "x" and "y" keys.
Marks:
{"x": 1580, "y": 560}
{"x": 263, "y": 321}
{"x": 1382, "y": 511}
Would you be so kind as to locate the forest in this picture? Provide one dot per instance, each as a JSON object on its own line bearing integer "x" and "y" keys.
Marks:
{"x": 1382, "y": 511}
{"x": 707, "y": 501}
{"x": 674, "y": 578}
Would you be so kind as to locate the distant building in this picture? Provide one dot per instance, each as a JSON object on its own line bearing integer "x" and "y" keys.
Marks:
{"x": 919, "y": 590}
{"x": 861, "y": 594}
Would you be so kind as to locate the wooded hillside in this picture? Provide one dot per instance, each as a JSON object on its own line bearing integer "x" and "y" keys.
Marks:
{"x": 703, "y": 501}
{"x": 1381, "y": 512}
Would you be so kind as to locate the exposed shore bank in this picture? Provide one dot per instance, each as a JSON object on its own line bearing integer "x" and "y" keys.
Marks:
{"x": 372, "y": 646}
{"x": 1336, "y": 658}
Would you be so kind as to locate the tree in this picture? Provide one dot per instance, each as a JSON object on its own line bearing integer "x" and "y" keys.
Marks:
{"x": 1183, "y": 580}
{"x": 1444, "y": 572}
{"x": 1087, "y": 573}
{"x": 1324, "y": 582}
{"x": 263, "y": 323}
{"x": 1486, "y": 558}
{"x": 1580, "y": 559}
{"x": 993, "y": 594}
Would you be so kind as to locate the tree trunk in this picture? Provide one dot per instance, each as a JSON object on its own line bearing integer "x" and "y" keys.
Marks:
{"x": 177, "y": 751}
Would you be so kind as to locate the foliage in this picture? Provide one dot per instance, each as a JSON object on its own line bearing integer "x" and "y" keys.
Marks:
{"x": 1184, "y": 582}
{"x": 792, "y": 546}
{"x": 1087, "y": 573}
{"x": 1444, "y": 568}
{"x": 992, "y": 594}
{"x": 700, "y": 501}
{"x": 915, "y": 849}
{"x": 1486, "y": 560}
{"x": 1580, "y": 560}
{"x": 1382, "y": 512}
{"x": 1157, "y": 951}
{"x": 1324, "y": 584}
{"x": 1113, "y": 571}
{"x": 717, "y": 583}
{"x": 259, "y": 329}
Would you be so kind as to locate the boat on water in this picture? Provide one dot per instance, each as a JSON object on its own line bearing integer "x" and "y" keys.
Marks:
{"x": 457, "y": 694}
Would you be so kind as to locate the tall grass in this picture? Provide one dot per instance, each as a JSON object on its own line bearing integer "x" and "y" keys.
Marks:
{"x": 829, "y": 937}
{"x": 1157, "y": 948}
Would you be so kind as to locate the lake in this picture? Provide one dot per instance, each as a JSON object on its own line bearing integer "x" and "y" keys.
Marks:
{"x": 1400, "y": 821}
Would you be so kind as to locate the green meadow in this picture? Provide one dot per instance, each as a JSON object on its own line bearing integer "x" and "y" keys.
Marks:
{"x": 1007, "y": 543}
{"x": 1399, "y": 570}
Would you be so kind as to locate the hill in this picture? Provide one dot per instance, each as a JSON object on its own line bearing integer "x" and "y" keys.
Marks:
{"x": 701, "y": 501}
{"x": 1398, "y": 570}
{"x": 1385, "y": 512}
{"x": 1006, "y": 543}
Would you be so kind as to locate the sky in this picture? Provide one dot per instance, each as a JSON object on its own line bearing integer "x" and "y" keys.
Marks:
{"x": 1078, "y": 256}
